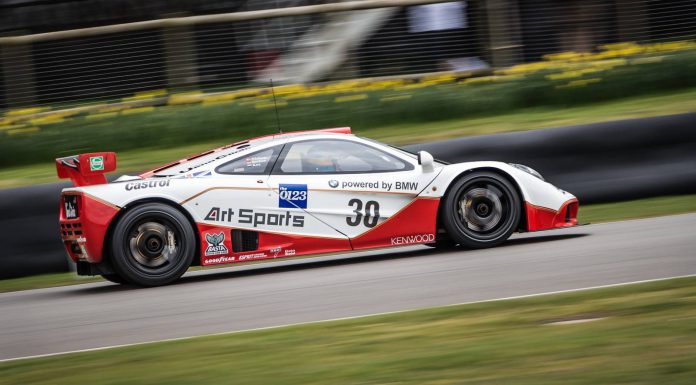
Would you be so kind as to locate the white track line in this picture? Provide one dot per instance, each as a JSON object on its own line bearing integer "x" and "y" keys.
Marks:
{"x": 349, "y": 318}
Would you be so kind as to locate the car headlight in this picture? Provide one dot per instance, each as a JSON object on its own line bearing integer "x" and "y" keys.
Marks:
{"x": 528, "y": 170}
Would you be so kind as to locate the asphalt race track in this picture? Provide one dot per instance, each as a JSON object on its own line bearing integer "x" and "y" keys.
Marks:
{"x": 88, "y": 316}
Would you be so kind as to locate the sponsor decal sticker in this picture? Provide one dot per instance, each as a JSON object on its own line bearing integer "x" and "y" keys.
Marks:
{"x": 96, "y": 163}
{"x": 213, "y": 160}
{"x": 217, "y": 260}
{"x": 292, "y": 196}
{"x": 217, "y": 215}
{"x": 198, "y": 174}
{"x": 251, "y": 257}
{"x": 275, "y": 251}
{"x": 363, "y": 184}
{"x": 70, "y": 202}
{"x": 378, "y": 185}
{"x": 147, "y": 184}
{"x": 256, "y": 161}
{"x": 413, "y": 239}
{"x": 290, "y": 252}
{"x": 406, "y": 186}
{"x": 333, "y": 183}
{"x": 215, "y": 244}
{"x": 248, "y": 216}
{"x": 255, "y": 218}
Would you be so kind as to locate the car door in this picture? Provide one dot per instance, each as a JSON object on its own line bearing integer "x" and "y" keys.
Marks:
{"x": 353, "y": 186}
{"x": 241, "y": 213}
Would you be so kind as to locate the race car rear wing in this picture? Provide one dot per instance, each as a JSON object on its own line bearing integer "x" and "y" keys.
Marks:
{"x": 86, "y": 169}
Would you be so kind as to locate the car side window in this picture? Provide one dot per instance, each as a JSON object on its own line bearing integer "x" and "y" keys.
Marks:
{"x": 255, "y": 163}
{"x": 337, "y": 156}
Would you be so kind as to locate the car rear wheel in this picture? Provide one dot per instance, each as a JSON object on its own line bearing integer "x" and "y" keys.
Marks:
{"x": 481, "y": 209}
{"x": 153, "y": 244}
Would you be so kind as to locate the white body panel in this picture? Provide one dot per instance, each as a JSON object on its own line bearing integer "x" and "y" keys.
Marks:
{"x": 330, "y": 211}
{"x": 534, "y": 190}
{"x": 376, "y": 197}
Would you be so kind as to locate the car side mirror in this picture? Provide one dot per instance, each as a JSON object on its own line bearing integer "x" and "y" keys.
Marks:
{"x": 426, "y": 161}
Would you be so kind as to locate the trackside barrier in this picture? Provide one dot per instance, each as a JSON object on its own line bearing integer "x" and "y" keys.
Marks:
{"x": 602, "y": 162}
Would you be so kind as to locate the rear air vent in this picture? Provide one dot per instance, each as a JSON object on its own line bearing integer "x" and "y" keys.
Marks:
{"x": 243, "y": 240}
{"x": 68, "y": 229}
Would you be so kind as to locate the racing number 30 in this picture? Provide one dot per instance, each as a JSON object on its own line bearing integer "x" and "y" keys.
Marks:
{"x": 371, "y": 216}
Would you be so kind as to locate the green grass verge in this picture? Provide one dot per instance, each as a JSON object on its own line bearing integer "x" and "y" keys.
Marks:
{"x": 642, "y": 208}
{"x": 44, "y": 280}
{"x": 635, "y": 209}
{"x": 643, "y": 334}
{"x": 527, "y": 119}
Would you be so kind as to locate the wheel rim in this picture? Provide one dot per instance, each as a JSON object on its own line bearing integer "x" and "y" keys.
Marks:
{"x": 481, "y": 209}
{"x": 154, "y": 245}
{"x": 484, "y": 209}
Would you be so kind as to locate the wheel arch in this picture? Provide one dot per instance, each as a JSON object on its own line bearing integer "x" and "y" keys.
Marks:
{"x": 142, "y": 201}
{"x": 522, "y": 225}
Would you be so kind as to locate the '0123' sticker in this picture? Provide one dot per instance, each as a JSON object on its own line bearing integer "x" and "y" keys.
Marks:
{"x": 292, "y": 196}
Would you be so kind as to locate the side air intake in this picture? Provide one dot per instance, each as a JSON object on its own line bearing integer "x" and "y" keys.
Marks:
{"x": 244, "y": 240}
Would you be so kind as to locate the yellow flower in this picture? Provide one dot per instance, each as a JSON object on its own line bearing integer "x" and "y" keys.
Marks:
{"x": 579, "y": 83}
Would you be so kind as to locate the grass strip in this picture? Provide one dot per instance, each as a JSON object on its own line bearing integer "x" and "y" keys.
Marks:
{"x": 639, "y": 334}
{"x": 639, "y": 208}
{"x": 44, "y": 280}
{"x": 642, "y": 208}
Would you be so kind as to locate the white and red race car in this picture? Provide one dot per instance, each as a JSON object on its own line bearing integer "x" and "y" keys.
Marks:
{"x": 289, "y": 195}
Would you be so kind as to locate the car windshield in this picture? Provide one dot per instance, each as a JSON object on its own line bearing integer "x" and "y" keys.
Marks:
{"x": 401, "y": 150}
{"x": 338, "y": 156}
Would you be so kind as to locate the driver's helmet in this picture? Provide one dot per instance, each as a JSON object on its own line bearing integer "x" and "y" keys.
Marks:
{"x": 319, "y": 159}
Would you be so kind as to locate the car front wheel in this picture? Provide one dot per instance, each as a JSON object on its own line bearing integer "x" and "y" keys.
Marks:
{"x": 153, "y": 244}
{"x": 482, "y": 209}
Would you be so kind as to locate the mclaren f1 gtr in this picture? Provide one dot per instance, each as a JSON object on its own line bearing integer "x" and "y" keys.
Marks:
{"x": 289, "y": 195}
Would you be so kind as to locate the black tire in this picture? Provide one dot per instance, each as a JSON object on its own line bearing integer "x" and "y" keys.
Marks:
{"x": 115, "y": 278}
{"x": 481, "y": 210}
{"x": 152, "y": 244}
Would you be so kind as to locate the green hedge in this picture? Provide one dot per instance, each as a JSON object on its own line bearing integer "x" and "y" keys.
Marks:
{"x": 168, "y": 126}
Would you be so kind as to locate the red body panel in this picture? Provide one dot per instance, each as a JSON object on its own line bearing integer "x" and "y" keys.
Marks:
{"x": 271, "y": 245}
{"x": 415, "y": 223}
{"x": 88, "y": 231}
{"x": 542, "y": 218}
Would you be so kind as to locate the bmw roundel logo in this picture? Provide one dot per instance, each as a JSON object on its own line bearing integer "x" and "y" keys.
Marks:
{"x": 333, "y": 183}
